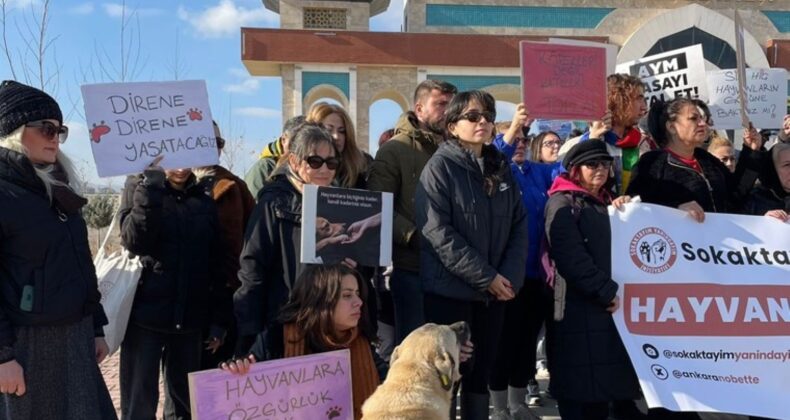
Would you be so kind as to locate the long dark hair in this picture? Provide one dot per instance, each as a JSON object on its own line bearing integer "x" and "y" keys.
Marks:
{"x": 312, "y": 303}
{"x": 492, "y": 162}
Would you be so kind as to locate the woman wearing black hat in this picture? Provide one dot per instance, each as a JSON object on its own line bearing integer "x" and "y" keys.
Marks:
{"x": 51, "y": 336}
{"x": 588, "y": 362}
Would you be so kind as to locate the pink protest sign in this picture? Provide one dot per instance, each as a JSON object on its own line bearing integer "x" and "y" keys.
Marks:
{"x": 311, "y": 387}
{"x": 563, "y": 82}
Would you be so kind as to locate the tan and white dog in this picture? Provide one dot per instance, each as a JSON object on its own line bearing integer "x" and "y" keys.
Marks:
{"x": 423, "y": 369}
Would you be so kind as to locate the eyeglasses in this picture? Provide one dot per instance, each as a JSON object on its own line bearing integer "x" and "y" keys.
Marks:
{"x": 49, "y": 130}
{"x": 598, "y": 164}
{"x": 552, "y": 143}
{"x": 316, "y": 162}
{"x": 475, "y": 116}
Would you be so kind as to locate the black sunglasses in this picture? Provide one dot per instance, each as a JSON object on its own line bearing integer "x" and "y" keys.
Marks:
{"x": 316, "y": 162}
{"x": 475, "y": 116}
{"x": 597, "y": 164}
{"x": 49, "y": 130}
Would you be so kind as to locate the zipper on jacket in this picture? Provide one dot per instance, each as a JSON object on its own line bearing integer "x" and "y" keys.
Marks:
{"x": 701, "y": 175}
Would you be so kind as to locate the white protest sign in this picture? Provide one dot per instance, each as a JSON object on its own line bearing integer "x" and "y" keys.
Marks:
{"x": 766, "y": 96}
{"x": 130, "y": 124}
{"x": 705, "y": 312}
{"x": 671, "y": 74}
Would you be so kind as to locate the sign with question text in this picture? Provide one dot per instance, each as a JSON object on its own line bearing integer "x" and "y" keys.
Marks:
{"x": 705, "y": 308}
{"x": 131, "y": 124}
{"x": 310, "y": 387}
{"x": 765, "y": 92}
{"x": 670, "y": 74}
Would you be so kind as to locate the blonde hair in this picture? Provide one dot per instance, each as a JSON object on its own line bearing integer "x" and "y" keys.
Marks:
{"x": 352, "y": 162}
{"x": 717, "y": 141}
{"x": 13, "y": 142}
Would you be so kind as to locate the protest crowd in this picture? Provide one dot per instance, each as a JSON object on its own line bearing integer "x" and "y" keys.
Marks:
{"x": 504, "y": 229}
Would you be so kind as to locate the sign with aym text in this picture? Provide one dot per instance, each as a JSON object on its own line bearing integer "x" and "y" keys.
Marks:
{"x": 563, "y": 82}
{"x": 670, "y": 74}
{"x": 310, "y": 387}
{"x": 705, "y": 313}
{"x": 131, "y": 124}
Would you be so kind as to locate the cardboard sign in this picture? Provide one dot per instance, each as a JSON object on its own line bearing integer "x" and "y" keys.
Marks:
{"x": 298, "y": 388}
{"x": 339, "y": 223}
{"x": 131, "y": 124}
{"x": 611, "y": 50}
{"x": 705, "y": 311}
{"x": 765, "y": 91}
{"x": 563, "y": 82}
{"x": 670, "y": 74}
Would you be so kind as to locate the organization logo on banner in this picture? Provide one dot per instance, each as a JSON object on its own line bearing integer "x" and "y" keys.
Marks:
{"x": 653, "y": 251}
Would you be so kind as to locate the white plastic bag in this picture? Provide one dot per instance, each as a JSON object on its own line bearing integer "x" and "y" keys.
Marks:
{"x": 118, "y": 274}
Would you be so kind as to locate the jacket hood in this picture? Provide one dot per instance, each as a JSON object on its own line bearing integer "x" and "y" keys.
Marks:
{"x": 770, "y": 178}
{"x": 17, "y": 169}
{"x": 463, "y": 157}
{"x": 272, "y": 150}
{"x": 563, "y": 184}
{"x": 408, "y": 125}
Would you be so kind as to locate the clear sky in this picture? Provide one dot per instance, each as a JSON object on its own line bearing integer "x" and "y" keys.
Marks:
{"x": 163, "y": 40}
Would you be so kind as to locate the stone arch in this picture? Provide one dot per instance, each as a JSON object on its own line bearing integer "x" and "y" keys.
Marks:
{"x": 689, "y": 25}
{"x": 505, "y": 92}
{"x": 323, "y": 91}
{"x": 394, "y": 96}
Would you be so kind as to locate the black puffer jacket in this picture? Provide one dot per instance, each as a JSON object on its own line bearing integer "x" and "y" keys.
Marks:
{"x": 468, "y": 237}
{"x": 176, "y": 234}
{"x": 769, "y": 195}
{"x": 44, "y": 250}
{"x": 587, "y": 359}
{"x": 270, "y": 257}
{"x": 660, "y": 178}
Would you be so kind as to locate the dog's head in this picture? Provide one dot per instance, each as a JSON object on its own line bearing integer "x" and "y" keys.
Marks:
{"x": 438, "y": 347}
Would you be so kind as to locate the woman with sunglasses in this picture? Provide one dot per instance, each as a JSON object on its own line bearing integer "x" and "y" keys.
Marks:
{"x": 353, "y": 162}
{"x": 682, "y": 174}
{"x": 474, "y": 238}
{"x": 270, "y": 257}
{"x": 51, "y": 334}
{"x": 588, "y": 363}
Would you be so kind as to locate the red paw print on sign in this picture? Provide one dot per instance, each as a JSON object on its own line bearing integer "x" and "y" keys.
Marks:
{"x": 195, "y": 114}
{"x": 98, "y": 130}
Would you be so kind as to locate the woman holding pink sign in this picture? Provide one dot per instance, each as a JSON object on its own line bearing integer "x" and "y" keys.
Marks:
{"x": 325, "y": 312}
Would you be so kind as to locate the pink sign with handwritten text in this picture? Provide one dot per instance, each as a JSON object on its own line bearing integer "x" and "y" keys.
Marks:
{"x": 563, "y": 82}
{"x": 314, "y": 387}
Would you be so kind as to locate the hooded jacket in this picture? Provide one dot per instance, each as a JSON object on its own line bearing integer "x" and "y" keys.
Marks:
{"x": 396, "y": 169}
{"x": 176, "y": 234}
{"x": 534, "y": 180}
{"x": 468, "y": 236}
{"x": 270, "y": 258}
{"x": 47, "y": 273}
{"x": 588, "y": 361}
{"x": 262, "y": 168}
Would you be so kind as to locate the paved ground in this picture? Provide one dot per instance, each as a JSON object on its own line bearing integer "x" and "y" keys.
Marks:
{"x": 111, "y": 370}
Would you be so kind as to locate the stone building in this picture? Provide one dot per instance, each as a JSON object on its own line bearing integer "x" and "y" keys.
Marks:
{"x": 324, "y": 48}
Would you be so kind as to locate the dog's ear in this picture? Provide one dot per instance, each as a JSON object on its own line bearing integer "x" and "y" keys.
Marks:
{"x": 395, "y": 354}
{"x": 445, "y": 367}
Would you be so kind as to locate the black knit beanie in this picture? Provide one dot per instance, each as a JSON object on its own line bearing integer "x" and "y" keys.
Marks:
{"x": 21, "y": 104}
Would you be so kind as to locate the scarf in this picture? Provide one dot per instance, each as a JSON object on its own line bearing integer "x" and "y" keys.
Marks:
{"x": 364, "y": 376}
{"x": 63, "y": 197}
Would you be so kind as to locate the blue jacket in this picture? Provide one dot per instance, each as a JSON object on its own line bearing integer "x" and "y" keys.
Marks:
{"x": 534, "y": 180}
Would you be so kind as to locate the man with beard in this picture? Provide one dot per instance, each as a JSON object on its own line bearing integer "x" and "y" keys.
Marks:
{"x": 397, "y": 168}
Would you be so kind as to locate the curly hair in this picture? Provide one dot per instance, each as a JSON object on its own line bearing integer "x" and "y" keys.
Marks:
{"x": 621, "y": 90}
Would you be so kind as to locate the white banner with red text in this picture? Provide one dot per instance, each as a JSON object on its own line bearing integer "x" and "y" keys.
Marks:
{"x": 705, "y": 312}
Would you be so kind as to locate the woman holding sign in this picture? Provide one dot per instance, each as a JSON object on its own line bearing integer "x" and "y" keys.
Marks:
{"x": 51, "y": 335}
{"x": 325, "y": 312}
{"x": 270, "y": 257}
{"x": 588, "y": 362}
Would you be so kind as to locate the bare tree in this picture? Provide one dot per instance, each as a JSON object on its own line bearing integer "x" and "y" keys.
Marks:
{"x": 178, "y": 67}
{"x": 33, "y": 57}
{"x": 129, "y": 63}
{"x": 234, "y": 154}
